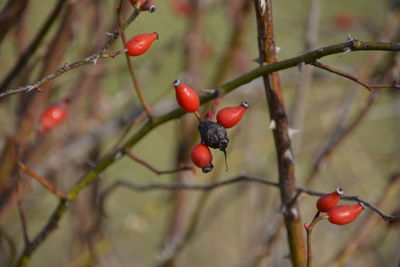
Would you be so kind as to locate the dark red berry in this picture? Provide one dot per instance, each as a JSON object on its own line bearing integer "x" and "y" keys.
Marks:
{"x": 142, "y": 5}
{"x": 344, "y": 214}
{"x": 328, "y": 201}
{"x": 201, "y": 157}
{"x": 230, "y": 116}
{"x": 139, "y": 44}
{"x": 187, "y": 97}
{"x": 52, "y": 116}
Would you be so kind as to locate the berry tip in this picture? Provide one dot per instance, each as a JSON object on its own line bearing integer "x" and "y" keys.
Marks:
{"x": 176, "y": 82}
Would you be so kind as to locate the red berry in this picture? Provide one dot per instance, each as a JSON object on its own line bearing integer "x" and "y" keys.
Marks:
{"x": 139, "y": 44}
{"x": 344, "y": 214}
{"x": 187, "y": 97}
{"x": 142, "y": 5}
{"x": 201, "y": 157}
{"x": 230, "y": 116}
{"x": 52, "y": 116}
{"x": 328, "y": 201}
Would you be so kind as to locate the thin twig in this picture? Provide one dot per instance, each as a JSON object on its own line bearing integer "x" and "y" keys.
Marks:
{"x": 34, "y": 45}
{"x": 309, "y": 228}
{"x": 153, "y": 169}
{"x": 354, "y": 78}
{"x": 42, "y": 181}
{"x": 101, "y": 53}
{"x": 131, "y": 69}
{"x": 241, "y": 178}
{"x": 23, "y": 220}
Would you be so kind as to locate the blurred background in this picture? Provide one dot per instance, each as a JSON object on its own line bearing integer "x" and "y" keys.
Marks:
{"x": 348, "y": 136}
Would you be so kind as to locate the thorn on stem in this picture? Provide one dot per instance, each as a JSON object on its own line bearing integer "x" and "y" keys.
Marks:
{"x": 272, "y": 125}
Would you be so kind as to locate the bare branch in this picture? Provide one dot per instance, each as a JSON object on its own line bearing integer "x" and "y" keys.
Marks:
{"x": 353, "y": 78}
{"x": 101, "y": 53}
{"x": 22, "y": 217}
{"x": 153, "y": 169}
{"x": 53, "y": 189}
{"x": 131, "y": 68}
{"x": 34, "y": 45}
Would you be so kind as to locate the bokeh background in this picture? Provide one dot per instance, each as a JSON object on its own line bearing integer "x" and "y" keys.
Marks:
{"x": 235, "y": 225}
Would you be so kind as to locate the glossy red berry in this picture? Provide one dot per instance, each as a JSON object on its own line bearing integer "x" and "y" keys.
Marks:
{"x": 201, "y": 157}
{"x": 230, "y": 116}
{"x": 187, "y": 97}
{"x": 139, "y": 44}
{"x": 344, "y": 214}
{"x": 52, "y": 116}
{"x": 328, "y": 201}
{"x": 142, "y": 5}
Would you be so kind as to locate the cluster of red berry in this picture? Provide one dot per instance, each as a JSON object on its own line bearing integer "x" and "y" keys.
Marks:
{"x": 338, "y": 214}
{"x": 213, "y": 134}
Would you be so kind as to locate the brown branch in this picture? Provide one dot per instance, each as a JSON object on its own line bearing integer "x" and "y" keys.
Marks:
{"x": 34, "y": 45}
{"x": 309, "y": 228}
{"x": 353, "y": 78}
{"x": 101, "y": 53}
{"x": 22, "y": 217}
{"x": 42, "y": 181}
{"x": 11, "y": 15}
{"x": 237, "y": 179}
{"x": 131, "y": 69}
{"x": 153, "y": 169}
{"x": 277, "y": 113}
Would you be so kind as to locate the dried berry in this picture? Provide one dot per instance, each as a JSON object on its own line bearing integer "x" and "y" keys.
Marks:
{"x": 139, "y": 44}
{"x": 201, "y": 157}
{"x": 328, "y": 201}
{"x": 213, "y": 134}
{"x": 230, "y": 116}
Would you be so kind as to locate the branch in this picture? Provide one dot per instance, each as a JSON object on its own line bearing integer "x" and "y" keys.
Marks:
{"x": 70, "y": 66}
{"x": 228, "y": 87}
{"x": 353, "y": 78}
{"x": 277, "y": 113}
{"x": 131, "y": 69}
{"x": 34, "y": 45}
{"x": 238, "y": 179}
{"x": 42, "y": 181}
{"x": 22, "y": 218}
{"x": 153, "y": 169}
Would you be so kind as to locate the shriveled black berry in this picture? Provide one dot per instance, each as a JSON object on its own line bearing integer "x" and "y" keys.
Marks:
{"x": 213, "y": 135}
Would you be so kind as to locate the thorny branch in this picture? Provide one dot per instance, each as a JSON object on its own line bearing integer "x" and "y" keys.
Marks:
{"x": 51, "y": 225}
{"x": 101, "y": 53}
{"x": 353, "y": 45}
{"x": 241, "y": 178}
